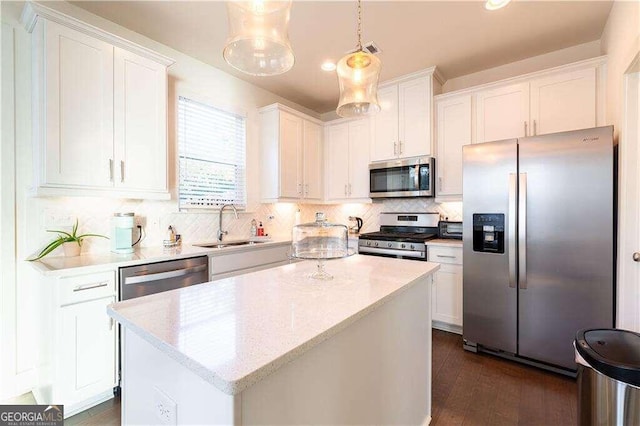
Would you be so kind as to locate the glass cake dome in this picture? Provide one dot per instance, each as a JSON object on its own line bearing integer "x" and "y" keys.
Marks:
{"x": 320, "y": 240}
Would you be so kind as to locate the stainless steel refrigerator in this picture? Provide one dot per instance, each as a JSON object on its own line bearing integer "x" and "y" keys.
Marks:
{"x": 538, "y": 244}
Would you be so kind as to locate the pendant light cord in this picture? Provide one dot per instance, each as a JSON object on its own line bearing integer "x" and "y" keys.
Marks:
{"x": 359, "y": 46}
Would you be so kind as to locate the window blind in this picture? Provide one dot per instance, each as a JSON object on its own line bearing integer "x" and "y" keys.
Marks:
{"x": 211, "y": 149}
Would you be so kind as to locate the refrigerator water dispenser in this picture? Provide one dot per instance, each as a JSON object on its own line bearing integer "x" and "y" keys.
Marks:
{"x": 488, "y": 233}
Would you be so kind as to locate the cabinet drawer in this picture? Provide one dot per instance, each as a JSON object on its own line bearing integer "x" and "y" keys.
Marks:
{"x": 86, "y": 287}
{"x": 451, "y": 255}
{"x": 247, "y": 259}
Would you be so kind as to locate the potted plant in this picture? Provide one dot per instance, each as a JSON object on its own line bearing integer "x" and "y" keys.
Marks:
{"x": 71, "y": 242}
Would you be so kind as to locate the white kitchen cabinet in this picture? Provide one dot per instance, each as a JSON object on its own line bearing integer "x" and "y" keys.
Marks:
{"x": 76, "y": 97}
{"x": 256, "y": 259}
{"x": 403, "y": 126}
{"x": 446, "y": 295}
{"x": 100, "y": 111}
{"x": 291, "y": 155}
{"x": 77, "y": 341}
{"x": 563, "y": 102}
{"x": 502, "y": 113}
{"x": 140, "y": 125}
{"x": 348, "y": 161}
{"x": 453, "y": 131}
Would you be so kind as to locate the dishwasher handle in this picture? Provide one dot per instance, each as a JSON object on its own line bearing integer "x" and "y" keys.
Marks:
{"x": 164, "y": 275}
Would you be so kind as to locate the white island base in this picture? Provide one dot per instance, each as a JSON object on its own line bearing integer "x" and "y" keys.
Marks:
{"x": 375, "y": 369}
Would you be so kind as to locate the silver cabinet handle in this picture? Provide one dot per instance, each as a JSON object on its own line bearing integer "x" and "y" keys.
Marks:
{"x": 535, "y": 128}
{"x": 511, "y": 222}
{"x": 522, "y": 230}
{"x": 400, "y": 147}
{"x": 447, "y": 257}
{"x": 163, "y": 275}
{"x": 299, "y": 189}
{"x": 349, "y": 189}
{"x": 440, "y": 184}
{"x": 110, "y": 169}
{"x": 90, "y": 286}
{"x": 395, "y": 148}
{"x": 345, "y": 189}
{"x": 306, "y": 189}
{"x": 525, "y": 128}
{"x": 636, "y": 257}
{"x": 121, "y": 171}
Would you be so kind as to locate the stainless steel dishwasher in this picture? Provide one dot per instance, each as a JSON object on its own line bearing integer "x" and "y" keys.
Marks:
{"x": 142, "y": 280}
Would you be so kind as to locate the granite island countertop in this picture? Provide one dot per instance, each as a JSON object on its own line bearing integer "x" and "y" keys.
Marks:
{"x": 236, "y": 331}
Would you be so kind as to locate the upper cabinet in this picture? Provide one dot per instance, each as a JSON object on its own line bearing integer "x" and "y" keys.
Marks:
{"x": 291, "y": 155}
{"x": 347, "y": 162}
{"x": 100, "y": 110}
{"x": 562, "y": 99}
{"x": 403, "y": 126}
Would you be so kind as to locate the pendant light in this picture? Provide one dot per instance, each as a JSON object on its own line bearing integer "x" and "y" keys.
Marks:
{"x": 258, "y": 42}
{"x": 358, "y": 74}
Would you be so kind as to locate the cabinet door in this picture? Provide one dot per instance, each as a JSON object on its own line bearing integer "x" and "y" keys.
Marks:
{"x": 564, "y": 102}
{"x": 140, "y": 125}
{"x": 447, "y": 295}
{"x": 337, "y": 165}
{"x": 414, "y": 115}
{"x": 290, "y": 155}
{"x": 359, "y": 158}
{"x": 453, "y": 132}
{"x": 384, "y": 145}
{"x": 78, "y": 102}
{"x": 87, "y": 350}
{"x": 502, "y": 113}
{"x": 312, "y": 161}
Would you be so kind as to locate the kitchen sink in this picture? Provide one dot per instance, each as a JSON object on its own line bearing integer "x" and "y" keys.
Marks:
{"x": 223, "y": 244}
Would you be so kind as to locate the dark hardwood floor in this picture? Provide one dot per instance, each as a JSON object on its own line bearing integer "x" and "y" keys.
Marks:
{"x": 479, "y": 389}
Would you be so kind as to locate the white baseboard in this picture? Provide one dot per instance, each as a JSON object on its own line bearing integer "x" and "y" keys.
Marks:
{"x": 446, "y": 327}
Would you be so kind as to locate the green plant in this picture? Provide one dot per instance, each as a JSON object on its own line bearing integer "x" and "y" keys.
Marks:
{"x": 64, "y": 237}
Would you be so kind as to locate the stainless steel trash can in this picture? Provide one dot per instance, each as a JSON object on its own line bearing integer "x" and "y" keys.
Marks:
{"x": 608, "y": 377}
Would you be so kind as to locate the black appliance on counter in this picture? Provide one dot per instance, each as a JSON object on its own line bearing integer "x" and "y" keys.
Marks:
{"x": 450, "y": 229}
{"x": 401, "y": 235}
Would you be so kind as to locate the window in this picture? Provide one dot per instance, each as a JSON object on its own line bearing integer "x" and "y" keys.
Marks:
{"x": 211, "y": 145}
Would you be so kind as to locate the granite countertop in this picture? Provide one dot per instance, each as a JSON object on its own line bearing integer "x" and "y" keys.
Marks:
{"x": 444, "y": 242}
{"x": 234, "y": 332}
{"x": 88, "y": 263}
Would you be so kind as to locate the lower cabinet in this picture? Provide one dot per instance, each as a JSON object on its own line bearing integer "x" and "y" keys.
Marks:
{"x": 233, "y": 264}
{"x": 446, "y": 294}
{"x": 77, "y": 341}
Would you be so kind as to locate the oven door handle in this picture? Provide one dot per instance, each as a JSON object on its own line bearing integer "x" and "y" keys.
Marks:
{"x": 392, "y": 252}
{"x": 416, "y": 178}
{"x": 163, "y": 275}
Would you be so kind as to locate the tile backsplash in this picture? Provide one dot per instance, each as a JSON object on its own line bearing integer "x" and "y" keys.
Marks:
{"x": 94, "y": 216}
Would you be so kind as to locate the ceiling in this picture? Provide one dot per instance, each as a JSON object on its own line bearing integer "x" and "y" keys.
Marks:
{"x": 459, "y": 37}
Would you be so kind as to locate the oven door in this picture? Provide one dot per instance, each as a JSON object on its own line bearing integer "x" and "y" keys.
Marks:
{"x": 412, "y": 177}
{"x": 369, "y": 250}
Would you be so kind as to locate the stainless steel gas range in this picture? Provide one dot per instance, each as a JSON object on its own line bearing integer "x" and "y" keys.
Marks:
{"x": 401, "y": 235}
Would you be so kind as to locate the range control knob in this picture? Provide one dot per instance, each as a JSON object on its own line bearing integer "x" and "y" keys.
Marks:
{"x": 368, "y": 243}
{"x": 376, "y": 244}
{"x": 389, "y": 244}
{"x": 411, "y": 246}
{"x": 403, "y": 246}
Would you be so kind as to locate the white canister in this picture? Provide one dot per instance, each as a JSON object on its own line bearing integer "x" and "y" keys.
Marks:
{"x": 122, "y": 226}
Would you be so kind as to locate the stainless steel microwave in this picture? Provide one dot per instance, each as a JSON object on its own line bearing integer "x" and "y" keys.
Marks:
{"x": 409, "y": 177}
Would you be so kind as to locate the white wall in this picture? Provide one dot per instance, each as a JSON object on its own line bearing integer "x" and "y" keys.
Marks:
{"x": 525, "y": 66}
{"x": 621, "y": 44}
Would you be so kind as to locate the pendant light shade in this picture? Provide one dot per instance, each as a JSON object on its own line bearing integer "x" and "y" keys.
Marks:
{"x": 358, "y": 75}
{"x": 258, "y": 42}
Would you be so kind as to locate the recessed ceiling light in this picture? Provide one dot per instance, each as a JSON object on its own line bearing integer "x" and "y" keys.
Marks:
{"x": 328, "y": 66}
{"x": 496, "y": 4}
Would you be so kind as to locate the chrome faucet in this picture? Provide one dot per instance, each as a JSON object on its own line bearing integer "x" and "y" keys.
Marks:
{"x": 222, "y": 233}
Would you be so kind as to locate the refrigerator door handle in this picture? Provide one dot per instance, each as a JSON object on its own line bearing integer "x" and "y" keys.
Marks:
{"x": 513, "y": 187}
{"x": 522, "y": 231}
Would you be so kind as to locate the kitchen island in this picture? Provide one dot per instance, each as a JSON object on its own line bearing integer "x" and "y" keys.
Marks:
{"x": 278, "y": 347}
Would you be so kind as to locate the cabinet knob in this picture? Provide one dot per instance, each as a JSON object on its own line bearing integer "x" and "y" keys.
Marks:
{"x": 636, "y": 257}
